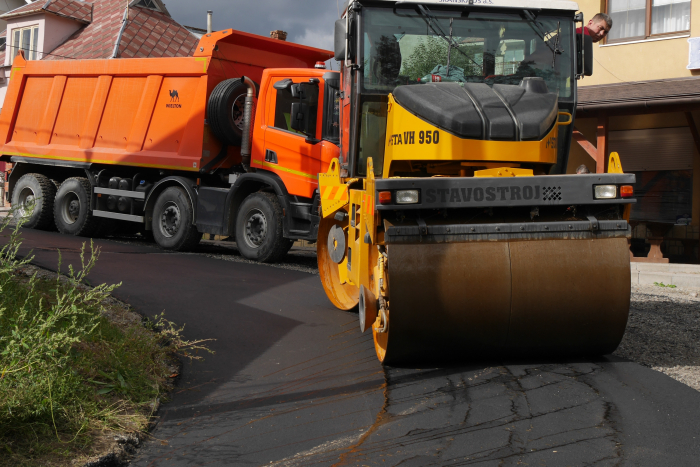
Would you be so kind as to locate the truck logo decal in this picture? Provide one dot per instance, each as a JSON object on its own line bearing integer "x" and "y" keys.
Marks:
{"x": 466, "y": 195}
{"x": 174, "y": 97}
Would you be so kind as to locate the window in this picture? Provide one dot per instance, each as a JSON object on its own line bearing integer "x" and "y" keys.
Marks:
{"x": 26, "y": 39}
{"x": 148, "y": 4}
{"x": 331, "y": 111}
{"x": 283, "y": 107}
{"x": 640, "y": 19}
{"x": 482, "y": 47}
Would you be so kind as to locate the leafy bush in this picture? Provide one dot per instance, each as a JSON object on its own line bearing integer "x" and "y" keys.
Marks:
{"x": 68, "y": 374}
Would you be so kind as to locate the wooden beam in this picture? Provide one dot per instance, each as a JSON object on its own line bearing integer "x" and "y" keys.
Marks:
{"x": 695, "y": 206}
{"x": 602, "y": 144}
{"x": 693, "y": 129}
{"x": 585, "y": 144}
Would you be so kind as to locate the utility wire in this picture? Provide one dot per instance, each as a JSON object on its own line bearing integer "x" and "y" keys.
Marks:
{"x": 39, "y": 52}
{"x": 621, "y": 80}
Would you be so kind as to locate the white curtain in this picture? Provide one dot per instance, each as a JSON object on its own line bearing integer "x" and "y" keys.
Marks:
{"x": 670, "y": 16}
{"x": 628, "y": 18}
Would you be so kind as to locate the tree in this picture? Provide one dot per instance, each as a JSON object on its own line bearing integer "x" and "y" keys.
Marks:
{"x": 432, "y": 52}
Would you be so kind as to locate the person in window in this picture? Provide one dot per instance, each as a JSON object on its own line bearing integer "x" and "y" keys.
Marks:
{"x": 598, "y": 27}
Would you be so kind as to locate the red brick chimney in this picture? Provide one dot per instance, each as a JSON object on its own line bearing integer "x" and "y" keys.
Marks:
{"x": 278, "y": 34}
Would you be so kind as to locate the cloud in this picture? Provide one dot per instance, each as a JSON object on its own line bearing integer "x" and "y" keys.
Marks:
{"x": 323, "y": 39}
{"x": 308, "y": 22}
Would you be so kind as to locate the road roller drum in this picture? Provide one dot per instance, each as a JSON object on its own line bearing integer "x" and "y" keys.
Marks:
{"x": 483, "y": 299}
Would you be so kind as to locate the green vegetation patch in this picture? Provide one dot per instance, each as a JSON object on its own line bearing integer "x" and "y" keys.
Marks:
{"x": 77, "y": 367}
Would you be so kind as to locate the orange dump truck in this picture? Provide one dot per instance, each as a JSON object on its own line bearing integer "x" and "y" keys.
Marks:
{"x": 161, "y": 143}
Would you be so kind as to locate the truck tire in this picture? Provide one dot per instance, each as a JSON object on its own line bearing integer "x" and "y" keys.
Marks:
{"x": 71, "y": 210}
{"x": 259, "y": 229}
{"x": 173, "y": 216}
{"x": 225, "y": 111}
{"x": 37, "y": 192}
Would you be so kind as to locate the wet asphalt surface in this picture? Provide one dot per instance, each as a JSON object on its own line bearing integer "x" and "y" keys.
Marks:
{"x": 294, "y": 382}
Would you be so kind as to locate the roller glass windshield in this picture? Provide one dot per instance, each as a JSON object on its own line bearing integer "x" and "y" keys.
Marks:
{"x": 417, "y": 44}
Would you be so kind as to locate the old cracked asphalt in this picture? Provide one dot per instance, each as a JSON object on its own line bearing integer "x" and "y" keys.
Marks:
{"x": 293, "y": 382}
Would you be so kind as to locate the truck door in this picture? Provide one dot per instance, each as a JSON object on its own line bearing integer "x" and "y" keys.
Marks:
{"x": 286, "y": 151}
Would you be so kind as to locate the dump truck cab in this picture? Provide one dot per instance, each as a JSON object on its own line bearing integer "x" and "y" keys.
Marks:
{"x": 449, "y": 218}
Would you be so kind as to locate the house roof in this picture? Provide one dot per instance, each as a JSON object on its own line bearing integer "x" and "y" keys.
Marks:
{"x": 638, "y": 96}
{"x": 147, "y": 33}
{"x": 73, "y": 9}
{"x": 151, "y": 33}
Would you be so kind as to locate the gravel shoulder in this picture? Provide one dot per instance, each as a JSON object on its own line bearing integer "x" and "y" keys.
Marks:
{"x": 663, "y": 332}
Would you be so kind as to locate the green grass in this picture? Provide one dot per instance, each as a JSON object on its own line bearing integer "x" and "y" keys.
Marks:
{"x": 75, "y": 367}
{"x": 661, "y": 284}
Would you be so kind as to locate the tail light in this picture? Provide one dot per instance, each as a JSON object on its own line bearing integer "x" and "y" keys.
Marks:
{"x": 626, "y": 191}
{"x": 384, "y": 197}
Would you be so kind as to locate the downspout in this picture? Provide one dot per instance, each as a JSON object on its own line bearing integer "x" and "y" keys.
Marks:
{"x": 248, "y": 114}
{"x": 125, "y": 19}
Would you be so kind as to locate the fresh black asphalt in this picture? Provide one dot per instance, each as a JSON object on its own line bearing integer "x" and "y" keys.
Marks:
{"x": 293, "y": 382}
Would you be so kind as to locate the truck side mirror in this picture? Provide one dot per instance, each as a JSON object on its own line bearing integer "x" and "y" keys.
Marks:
{"x": 282, "y": 84}
{"x": 339, "y": 40}
{"x": 298, "y": 91}
{"x": 584, "y": 50}
{"x": 300, "y": 117}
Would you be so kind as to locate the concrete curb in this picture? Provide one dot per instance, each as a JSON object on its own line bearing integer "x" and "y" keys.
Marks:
{"x": 680, "y": 275}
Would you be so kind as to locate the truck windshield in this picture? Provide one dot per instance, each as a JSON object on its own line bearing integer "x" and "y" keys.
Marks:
{"x": 415, "y": 45}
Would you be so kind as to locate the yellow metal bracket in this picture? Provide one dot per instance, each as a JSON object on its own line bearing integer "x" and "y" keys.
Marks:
{"x": 504, "y": 172}
{"x": 334, "y": 193}
{"x": 565, "y": 122}
{"x": 368, "y": 202}
{"x": 614, "y": 164}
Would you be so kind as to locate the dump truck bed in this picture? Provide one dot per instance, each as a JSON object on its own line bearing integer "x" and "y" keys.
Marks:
{"x": 136, "y": 112}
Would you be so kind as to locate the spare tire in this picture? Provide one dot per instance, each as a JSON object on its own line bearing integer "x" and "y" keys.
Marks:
{"x": 225, "y": 110}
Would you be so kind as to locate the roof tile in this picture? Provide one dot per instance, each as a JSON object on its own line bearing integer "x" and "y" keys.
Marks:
{"x": 148, "y": 33}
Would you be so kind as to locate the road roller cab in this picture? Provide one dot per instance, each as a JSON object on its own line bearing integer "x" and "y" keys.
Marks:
{"x": 449, "y": 218}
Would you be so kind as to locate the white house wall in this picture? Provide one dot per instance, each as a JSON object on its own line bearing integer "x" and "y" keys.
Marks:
{"x": 53, "y": 31}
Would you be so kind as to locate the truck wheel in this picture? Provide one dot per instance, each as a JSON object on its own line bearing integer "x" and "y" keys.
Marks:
{"x": 33, "y": 198}
{"x": 71, "y": 210}
{"x": 172, "y": 221}
{"x": 259, "y": 230}
{"x": 225, "y": 111}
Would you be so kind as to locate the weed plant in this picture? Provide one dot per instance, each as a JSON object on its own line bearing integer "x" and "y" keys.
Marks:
{"x": 70, "y": 378}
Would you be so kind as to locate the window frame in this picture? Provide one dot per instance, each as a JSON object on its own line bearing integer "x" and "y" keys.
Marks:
{"x": 273, "y": 108}
{"x": 647, "y": 27}
{"x": 32, "y": 46}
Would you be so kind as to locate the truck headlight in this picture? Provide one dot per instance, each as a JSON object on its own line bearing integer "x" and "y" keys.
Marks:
{"x": 406, "y": 197}
{"x": 605, "y": 191}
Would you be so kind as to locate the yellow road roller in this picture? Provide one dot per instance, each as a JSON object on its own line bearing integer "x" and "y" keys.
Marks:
{"x": 448, "y": 219}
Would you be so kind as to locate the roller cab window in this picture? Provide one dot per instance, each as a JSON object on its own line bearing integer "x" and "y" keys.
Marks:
{"x": 415, "y": 45}
{"x": 372, "y": 134}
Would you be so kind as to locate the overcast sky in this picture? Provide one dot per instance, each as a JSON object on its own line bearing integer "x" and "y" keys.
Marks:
{"x": 308, "y": 22}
